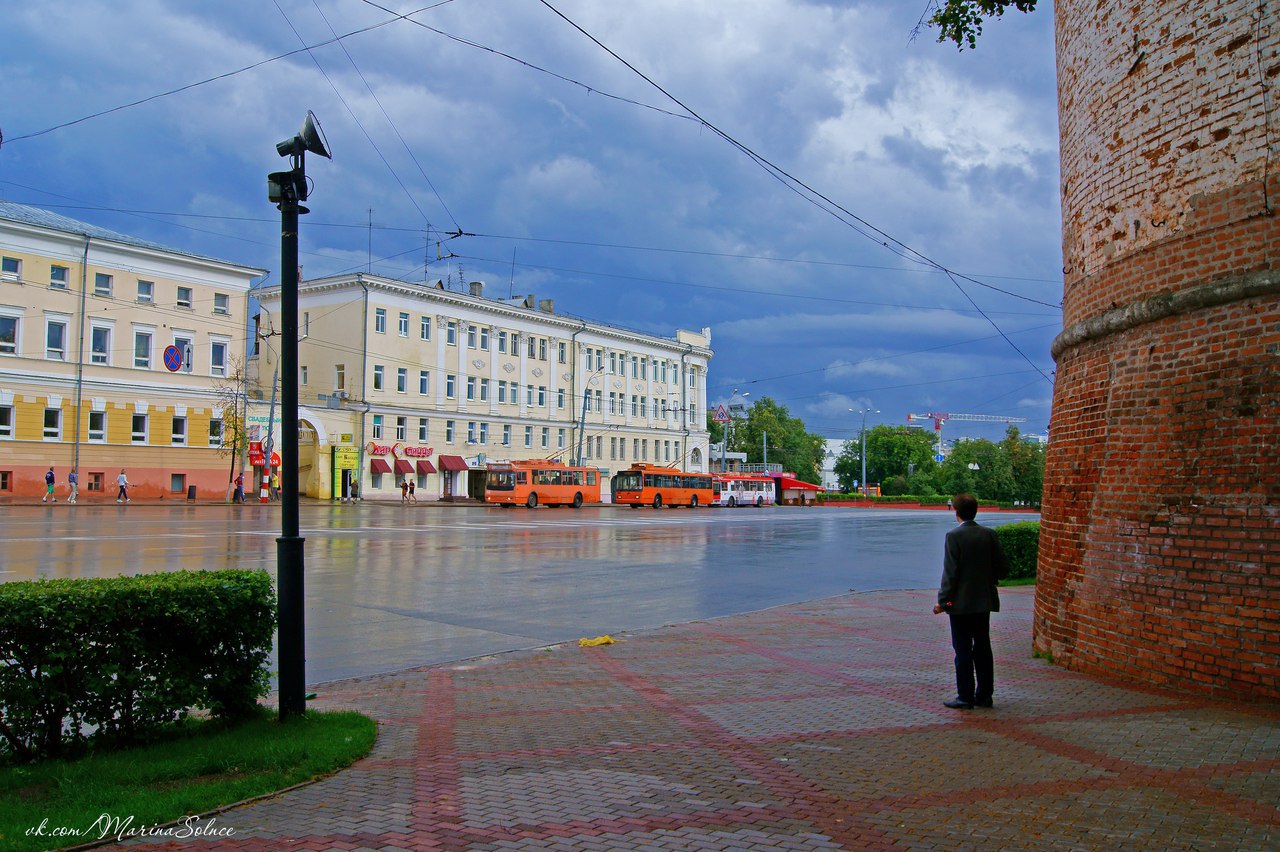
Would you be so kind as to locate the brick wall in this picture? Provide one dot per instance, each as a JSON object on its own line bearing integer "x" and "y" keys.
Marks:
{"x": 1160, "y": 545}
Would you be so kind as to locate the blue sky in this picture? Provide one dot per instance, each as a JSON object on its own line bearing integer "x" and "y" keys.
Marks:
{"x": 579, "y": 180}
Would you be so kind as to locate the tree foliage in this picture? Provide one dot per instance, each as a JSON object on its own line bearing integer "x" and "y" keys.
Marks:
{"x": 960, "y": 21}
{"x": 230, "y": 395}
{"x": 788, "y": 443}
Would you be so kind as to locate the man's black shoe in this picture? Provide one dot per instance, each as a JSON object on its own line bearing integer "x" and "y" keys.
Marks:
{"x": 982, "y": 702}
{"x": 958, "y": 704}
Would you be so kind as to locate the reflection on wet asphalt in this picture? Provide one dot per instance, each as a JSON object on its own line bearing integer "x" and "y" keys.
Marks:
{"x": 389, "y": 587}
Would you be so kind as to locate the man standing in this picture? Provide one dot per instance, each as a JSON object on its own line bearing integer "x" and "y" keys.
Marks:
{"x": 238, "y": 497}
{"x": 48, "y": 487}
{"x": 74, "y": 482}
{"x": 972, "y": 564}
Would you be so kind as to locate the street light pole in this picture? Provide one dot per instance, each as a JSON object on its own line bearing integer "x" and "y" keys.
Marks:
{"x": 863, "y": 412}
{"x": 582, "y": 422}
{"x": 289, "y": 190}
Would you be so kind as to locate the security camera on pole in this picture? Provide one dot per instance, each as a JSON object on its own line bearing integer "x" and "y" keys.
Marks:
{"x": 288, "y": 190}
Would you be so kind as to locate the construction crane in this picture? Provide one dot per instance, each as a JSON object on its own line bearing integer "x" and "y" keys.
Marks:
{"x": 940, "y": 417}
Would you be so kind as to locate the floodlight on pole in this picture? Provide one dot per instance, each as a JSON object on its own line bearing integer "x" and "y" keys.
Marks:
{"x": 288, "y": 190}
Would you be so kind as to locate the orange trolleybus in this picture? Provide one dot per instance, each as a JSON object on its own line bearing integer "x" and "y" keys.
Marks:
{"x": 645, "y": 485}
{"x": 540, "y": 481}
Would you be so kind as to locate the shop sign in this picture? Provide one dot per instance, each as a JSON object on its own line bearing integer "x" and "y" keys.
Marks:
{"x": 418, "y": 452}
{"x": 345, "y": 458}
{"x": 380, "y": 449}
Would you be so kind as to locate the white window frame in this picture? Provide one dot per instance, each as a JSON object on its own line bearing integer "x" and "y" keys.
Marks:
{"x": 216, "y": 369}
{"x": 185, "y": 298}
{"x": 57, "y": 427}
{"x": 380, "y": 320}
{"x": 222, "y": 305}
{"x": 99, "y": 435}
{"x": 6, "y": 422}
{"x": 402, "y": 379}
{"x": 50, "y": 321}
{"x": 146, "y": 296}
{"x": 424, "y": 382}
{"x": 424, "y": 330}
{"x": 103, "y": 284}
{"x": 402, "y": 324}
{"x": 146, "y": 428}
{"x": 178, "y": 431}
{"x": 151, "y": 347}
{"x": 379, "y": 374}
{"x": 108, "y": 328}
{"x": 377, "y": 426}
{"x": 56, "y": 282}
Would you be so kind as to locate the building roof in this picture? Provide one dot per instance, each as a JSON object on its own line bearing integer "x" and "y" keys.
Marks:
{"x": 28, "y": 215}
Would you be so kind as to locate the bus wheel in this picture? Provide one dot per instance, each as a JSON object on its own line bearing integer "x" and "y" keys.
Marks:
{"x": 532, "y": 502}
{"x": 657, "y": 501}
{"x": 733, "y": 502}
{"x": 759, "y": 502}
{"x": 693, "y": 502}
{"x": 577, "y": 500}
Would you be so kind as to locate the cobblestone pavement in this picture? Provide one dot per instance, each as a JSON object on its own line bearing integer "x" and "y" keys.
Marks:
{"x": 810, "y": 726}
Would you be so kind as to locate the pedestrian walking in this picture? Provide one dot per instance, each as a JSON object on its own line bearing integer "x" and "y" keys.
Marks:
{"x": 74, "y": 482}
{"x": 238, "y": 497}
{"x": 404, "y": 490}
{"x": 412, "y": 497}
{"x": 48, "y": 486}
{"x": 973, "y": 562}
{"x": 275, "y": 485}
{"x": 122, "y": 482}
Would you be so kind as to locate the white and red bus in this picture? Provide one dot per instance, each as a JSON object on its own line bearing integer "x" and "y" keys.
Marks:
{"x": 744, "y": 489}
{"x": 538, "y": 481}
{"x": 647, "y": 485}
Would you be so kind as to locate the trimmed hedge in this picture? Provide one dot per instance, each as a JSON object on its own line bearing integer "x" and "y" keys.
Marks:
{"x": 117, "y": 658}
{"x": 1021, "y": 543}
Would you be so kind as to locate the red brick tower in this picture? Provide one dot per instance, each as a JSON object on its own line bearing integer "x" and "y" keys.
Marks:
{"x": 1160, "y": 545}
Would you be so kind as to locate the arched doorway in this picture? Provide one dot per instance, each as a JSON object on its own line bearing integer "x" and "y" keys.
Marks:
{"x": 695, "y": 460}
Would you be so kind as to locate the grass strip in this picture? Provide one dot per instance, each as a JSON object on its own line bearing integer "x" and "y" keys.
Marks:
{"x": 195, "y": 768}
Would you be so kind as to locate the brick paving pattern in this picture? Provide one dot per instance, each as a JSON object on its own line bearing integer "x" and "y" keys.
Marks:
{"x": 811, "y": 726}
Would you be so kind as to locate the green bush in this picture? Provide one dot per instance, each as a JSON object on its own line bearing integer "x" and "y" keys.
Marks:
{"x": 1021, "y": 543}
{"x": 115, "y": 659}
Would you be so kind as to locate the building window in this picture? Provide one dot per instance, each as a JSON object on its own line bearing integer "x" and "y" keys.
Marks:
{"x": 402, "y": 428}
{"x": 613, "y": 363}
{"x": 560, "y": 438}
{"x": 11, "y": 267}
{"x": 402, "y": 325}
{"x": 302, "y": 374}
{"x": 506, "y": 434}
{"x": 380, "y": 320}
{"x": 560, "y": 398}
{"x": 502, "y": 390}
{"x": 218, "y": 359}
{"x": 424, "y": 328}
{"x": 52, "y": 424}
{"x": 100, "y": 345}
{"x": 58, "y": 277}
{"x": 177, "y": 483}
{"x": 179, "y": 431}
{"x": 184, "y": 297}
{"x": 528, "y": 436}
{"x": 546, "y": 437}
{"x": 139, "y": 429}
{"x": 424, "y": 382}
{"x": 449, "y": 427}
{"x": 451, "y": 333}
{"x": 101, "y": 284}
{"x": 402, "y": 380}
{"x": 599, "y": 401}
{"x": 215, "y": 432}
{"x": 6, "y": 480}
{"x": 484, "y": 390}
{"x": 542, "y": 349}
{"x": 502, "y": 341}
{"x": 377, "y": 426}
{"x": 306, "y": 323}
{"x": 97, "y": 426}
{"x": 450, "y": 386}
{"x": 184, "y": 346}
{"x": 693, "y": 376}
{"x": 542, "y": 396}
{"x": 146, "y": 291}
{"x": 635, "y": 449}
{"x": 423, "y": 424}
{"x": 471, "y": 431}
{"x": 562, "y": 353}
{"x": 6, "y": 421}
{"x": 471, "y": 337}
{"x": 142, "y": 349}
{"x": 644, "y": 368}
{"x": 8, "y": 335}
{"x": 339, "y": 377}
{"x": 222, "y": 304}
{"x": 377, "y": 376}
{"x": 528, "y": 394}
{"x": 484, "y": 433}
{"x": 484, "y": 340}
{"x": 471, "y": 388}
{"x": 55, "y": 340}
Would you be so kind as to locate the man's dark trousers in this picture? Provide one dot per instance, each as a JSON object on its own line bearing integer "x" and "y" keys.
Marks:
{"x": 971, "y": 639}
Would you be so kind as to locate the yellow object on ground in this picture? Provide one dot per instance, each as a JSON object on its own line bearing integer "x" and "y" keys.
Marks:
{"x": 599, "y": 640}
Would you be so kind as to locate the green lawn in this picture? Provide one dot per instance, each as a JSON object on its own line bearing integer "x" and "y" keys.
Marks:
{"x": 197, "y": 768}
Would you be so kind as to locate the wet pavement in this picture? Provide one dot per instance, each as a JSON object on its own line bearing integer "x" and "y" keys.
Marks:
{"x": 809, "y": 726}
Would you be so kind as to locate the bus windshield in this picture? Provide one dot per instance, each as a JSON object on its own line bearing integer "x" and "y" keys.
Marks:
{"x": 501, "y": 480}
{"x": 627, "y": 480}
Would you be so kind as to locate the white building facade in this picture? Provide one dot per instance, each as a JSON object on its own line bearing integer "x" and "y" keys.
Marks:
{"x": 399, "y": 380}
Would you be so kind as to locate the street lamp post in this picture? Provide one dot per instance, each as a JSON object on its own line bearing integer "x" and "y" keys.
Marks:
{"x": 582, "y": 422}
{"x": 289, "y": 190}
{"x": 863, "y": 412}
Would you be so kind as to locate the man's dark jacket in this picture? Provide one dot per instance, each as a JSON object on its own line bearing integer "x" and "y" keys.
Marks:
{"x": 974, "y": 561}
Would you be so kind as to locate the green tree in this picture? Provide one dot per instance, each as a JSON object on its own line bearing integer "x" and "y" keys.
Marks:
{"x": 230, "y": 395}
{"x": 897, "y": 451}
{"x": 980, "y": 468}
{"x": 788, "y": 443}
{"x": 960, "y": 21}
{"x": 848, "y": 467}
{"x": 1027, "y": 463}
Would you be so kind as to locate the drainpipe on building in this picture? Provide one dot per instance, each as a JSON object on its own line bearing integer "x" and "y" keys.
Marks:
{"x": 84, "y": 296}
{"x": 684, "y": 403}
{"x": 364, "y": 365}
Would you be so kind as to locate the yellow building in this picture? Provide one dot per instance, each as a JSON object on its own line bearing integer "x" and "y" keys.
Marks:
{"x": 399, "y": 379}
{"x": 112, "y": 351}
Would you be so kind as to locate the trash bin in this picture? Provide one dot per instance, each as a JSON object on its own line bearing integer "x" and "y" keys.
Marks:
{"x": 191, "y": 492}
